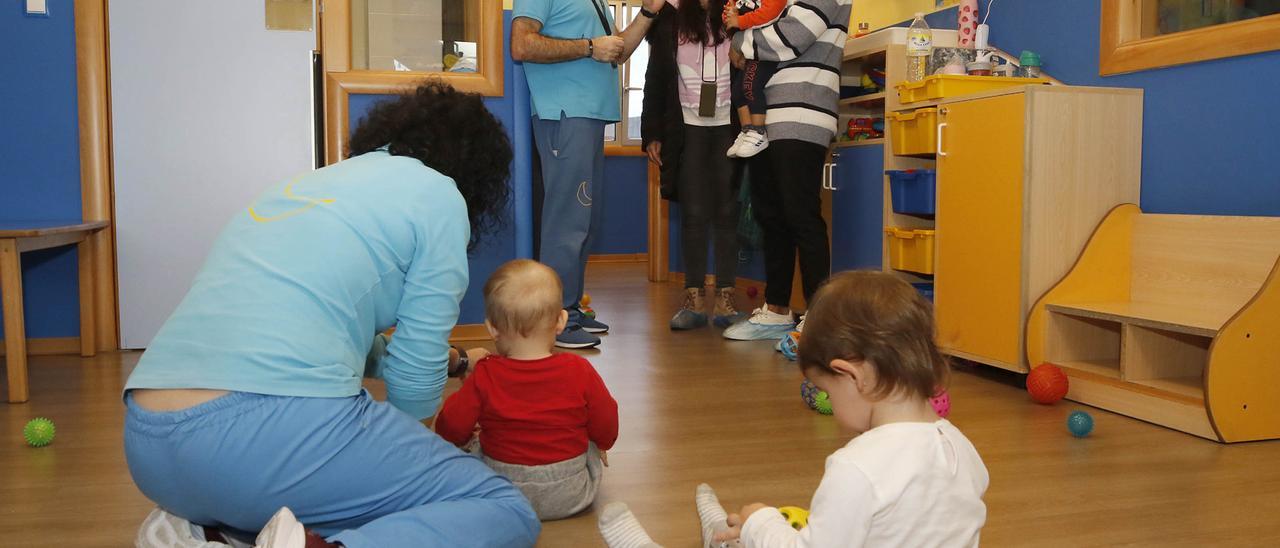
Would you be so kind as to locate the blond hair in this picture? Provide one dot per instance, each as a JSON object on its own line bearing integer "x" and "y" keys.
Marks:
{"x": 878, "y": 318}
{"x": 522, "y": 296}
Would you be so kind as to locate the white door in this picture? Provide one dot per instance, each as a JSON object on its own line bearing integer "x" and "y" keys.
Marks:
{"x": 208, "y": 108}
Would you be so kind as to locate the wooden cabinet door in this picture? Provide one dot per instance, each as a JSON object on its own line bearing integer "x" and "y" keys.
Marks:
{"x": 857, "y": 219}
{"x": 978, "y": 284}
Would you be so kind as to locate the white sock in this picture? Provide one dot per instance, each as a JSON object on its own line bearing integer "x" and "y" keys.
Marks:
{"x": 621, "y": 529}
{"x": 713, "y": 517}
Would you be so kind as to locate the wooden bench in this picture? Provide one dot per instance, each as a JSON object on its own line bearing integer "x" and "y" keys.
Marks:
{"x": 22, "y": 236}
{"x": 1172, "y": 319}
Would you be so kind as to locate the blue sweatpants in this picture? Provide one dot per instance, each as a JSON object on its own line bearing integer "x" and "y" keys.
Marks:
{"x": 572, "y": 155}
{"x": 355, "y": 470}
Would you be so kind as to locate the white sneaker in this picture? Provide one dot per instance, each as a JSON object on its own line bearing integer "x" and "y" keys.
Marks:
{"x": 283, "y": 531}
{"x": 737, "y": 144}
{"x": 751, "y": 143}
{"x": 164, "y": 530}
{"x": 762, "y": 325}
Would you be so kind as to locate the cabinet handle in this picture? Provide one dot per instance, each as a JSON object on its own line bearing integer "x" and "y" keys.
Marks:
{"x": 826, "y": 176}
{"x": 831, "y": 176}
{"x": 941, "y": 126}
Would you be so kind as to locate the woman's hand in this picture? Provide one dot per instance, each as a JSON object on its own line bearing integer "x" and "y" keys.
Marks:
{"x": 730, "y": 15}
{"x": 736, "y": 520}
{"x": 654, "y": 149}
{"x": 736, "y": 57}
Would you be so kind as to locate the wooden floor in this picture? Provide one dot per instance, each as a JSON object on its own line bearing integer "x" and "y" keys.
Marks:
{"x": 696, "y": 408}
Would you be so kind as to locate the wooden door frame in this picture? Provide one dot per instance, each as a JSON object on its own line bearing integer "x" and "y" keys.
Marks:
{"x": 97, "y": 193}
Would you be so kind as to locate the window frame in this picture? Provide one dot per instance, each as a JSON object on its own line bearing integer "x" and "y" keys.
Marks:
{"x": 1123, "y": 49}
{"x": 624, "y": 12}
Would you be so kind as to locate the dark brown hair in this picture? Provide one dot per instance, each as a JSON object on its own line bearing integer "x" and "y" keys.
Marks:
{"x": 878, "y": 318}
{"x": 701, "y": 25}
{"x": 522, "y": 296}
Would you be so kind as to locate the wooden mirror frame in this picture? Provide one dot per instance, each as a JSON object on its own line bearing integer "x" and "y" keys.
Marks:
{"x": 341, "y": 81}
{"x": 1123, "y": 49}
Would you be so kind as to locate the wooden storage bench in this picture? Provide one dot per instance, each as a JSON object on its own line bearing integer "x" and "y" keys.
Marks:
{"x": 1172, "y": 319}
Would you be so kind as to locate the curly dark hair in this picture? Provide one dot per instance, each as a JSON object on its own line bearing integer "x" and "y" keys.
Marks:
{"x": 453, "y": 133}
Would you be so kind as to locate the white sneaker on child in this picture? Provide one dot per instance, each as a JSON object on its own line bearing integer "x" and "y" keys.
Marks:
{"x": 164, "y": 530}
{"x": 283, "y": 531}
{"x": 751, "y": 142}
{"x": 737, "y": 144}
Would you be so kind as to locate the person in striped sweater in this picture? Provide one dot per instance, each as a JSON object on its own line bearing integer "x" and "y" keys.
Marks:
{"x": 807, "y": 42}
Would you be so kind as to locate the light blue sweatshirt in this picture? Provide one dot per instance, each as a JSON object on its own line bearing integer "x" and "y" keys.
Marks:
{"x": 297, "y": 285}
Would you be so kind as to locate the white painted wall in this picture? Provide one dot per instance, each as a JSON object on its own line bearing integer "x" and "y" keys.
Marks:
{"x": 208, "y": 108}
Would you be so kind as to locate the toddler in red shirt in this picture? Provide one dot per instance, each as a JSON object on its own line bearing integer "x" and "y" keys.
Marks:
{"x": 545, "y": 419}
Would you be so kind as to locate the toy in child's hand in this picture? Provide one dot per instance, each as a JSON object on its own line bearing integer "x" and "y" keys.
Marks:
{"x": 790, "y": 345}
{"x": 816, "y": 399}
{"x": 941, "y": 403}
{"x": 797, "y": 517}
{"x": 1079, "y": 423}
{"x": 1047, "y": 384}
{"x": 38, "y": 432}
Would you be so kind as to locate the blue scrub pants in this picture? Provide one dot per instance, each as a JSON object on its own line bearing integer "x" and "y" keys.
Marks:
{"x": 572, "y": 154}
{"x": 355, "y": 470}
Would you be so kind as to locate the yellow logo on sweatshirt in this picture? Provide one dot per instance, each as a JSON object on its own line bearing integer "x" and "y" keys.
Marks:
{"x": 289, "y": 195}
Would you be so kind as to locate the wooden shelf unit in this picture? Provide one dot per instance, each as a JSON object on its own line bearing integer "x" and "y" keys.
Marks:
{"x": 1172, "y": 319}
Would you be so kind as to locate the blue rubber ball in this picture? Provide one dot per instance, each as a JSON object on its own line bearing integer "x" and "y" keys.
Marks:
{"x": 1080, "y": 424}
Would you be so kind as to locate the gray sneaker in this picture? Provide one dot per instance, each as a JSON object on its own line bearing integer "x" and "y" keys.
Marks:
{"x": 690, "y": 315}
{"x": 574, "y": 336}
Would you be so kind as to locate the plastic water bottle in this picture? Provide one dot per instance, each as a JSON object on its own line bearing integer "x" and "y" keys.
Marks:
{"x": 919, "y": 48}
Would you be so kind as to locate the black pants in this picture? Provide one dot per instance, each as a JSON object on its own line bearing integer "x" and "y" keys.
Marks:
{"x": 707, "y": 202}
{"x": 748, "y": 85}
{"x": 786, "y": 197}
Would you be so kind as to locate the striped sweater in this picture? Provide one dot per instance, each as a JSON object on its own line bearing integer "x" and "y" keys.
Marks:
{"x": 807, "y": 41}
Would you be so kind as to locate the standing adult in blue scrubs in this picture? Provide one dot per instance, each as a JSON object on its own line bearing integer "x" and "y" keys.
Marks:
{"x": 571, "y": 50}
{"x": 249, "y": 399}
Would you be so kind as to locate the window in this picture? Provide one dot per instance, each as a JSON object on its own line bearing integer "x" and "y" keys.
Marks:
{"x": 1146, "y": 34}
{"x": 630, "y": 79}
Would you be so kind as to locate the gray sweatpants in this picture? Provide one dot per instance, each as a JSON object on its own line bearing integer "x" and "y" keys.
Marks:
{"x": 557, "y": 490}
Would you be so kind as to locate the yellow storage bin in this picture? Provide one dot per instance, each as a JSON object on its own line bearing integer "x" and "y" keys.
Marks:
{"x": 915, "y": 132}
{"x": 941, "y": 86}
{"x": 910, "y": 249}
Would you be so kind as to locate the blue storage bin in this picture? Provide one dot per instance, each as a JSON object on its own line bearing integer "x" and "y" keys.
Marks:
{"x": 925, "y": 289}
{"x": 913, "y": 191}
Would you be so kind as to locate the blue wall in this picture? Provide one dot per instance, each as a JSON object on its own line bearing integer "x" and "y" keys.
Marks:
{"x": 625, "y": 229}
{"x": 40, "y": 154}
{"x": 1209, "y": 129}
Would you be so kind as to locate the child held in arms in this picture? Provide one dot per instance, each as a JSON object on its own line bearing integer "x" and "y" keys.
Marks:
{"x": 545, "y": 420}
{"x": 909, "y": 478}
{"x": 749, "y": 81}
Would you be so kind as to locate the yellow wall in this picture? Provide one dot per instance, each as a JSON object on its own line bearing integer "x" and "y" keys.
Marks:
{"x": 883, "y": 13}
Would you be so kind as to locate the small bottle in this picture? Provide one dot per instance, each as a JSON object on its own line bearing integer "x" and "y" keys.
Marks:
{"x": 1030, "y": 62}
{"x": 919, "y": 48}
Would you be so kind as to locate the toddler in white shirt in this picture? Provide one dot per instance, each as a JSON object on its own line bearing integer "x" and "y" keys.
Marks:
{"x": 908, "y": 479}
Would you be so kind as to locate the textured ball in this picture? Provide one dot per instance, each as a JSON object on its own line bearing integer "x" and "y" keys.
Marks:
{"x": 808, "y": 392}
{"x": 1079, "y": 423}
{"x": 1047, "y": 384}
{"x": 586, "y": 299}
{"x": 822, "y": 403}
{"x": 790, "y": 345}
{"x": 38, "y": 432}
{"x": 941, "y": 403}
{"x": 797, "y": 518}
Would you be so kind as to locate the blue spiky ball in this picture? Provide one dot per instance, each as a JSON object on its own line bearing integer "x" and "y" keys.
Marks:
{"x": 38, "y": 432}
{"x": 790, "y": 345}
{"x": 816, "y": 399}
{"x": 1079, "y": 423}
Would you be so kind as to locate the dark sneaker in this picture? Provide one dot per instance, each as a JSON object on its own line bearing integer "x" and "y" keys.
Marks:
{"x": 574, "y": 336}
{"x": 592, "y": 325}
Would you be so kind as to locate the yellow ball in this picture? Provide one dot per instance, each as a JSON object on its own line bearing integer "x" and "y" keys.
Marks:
{"x": 586, "y": 299}
{"x": 797, "y": 518}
